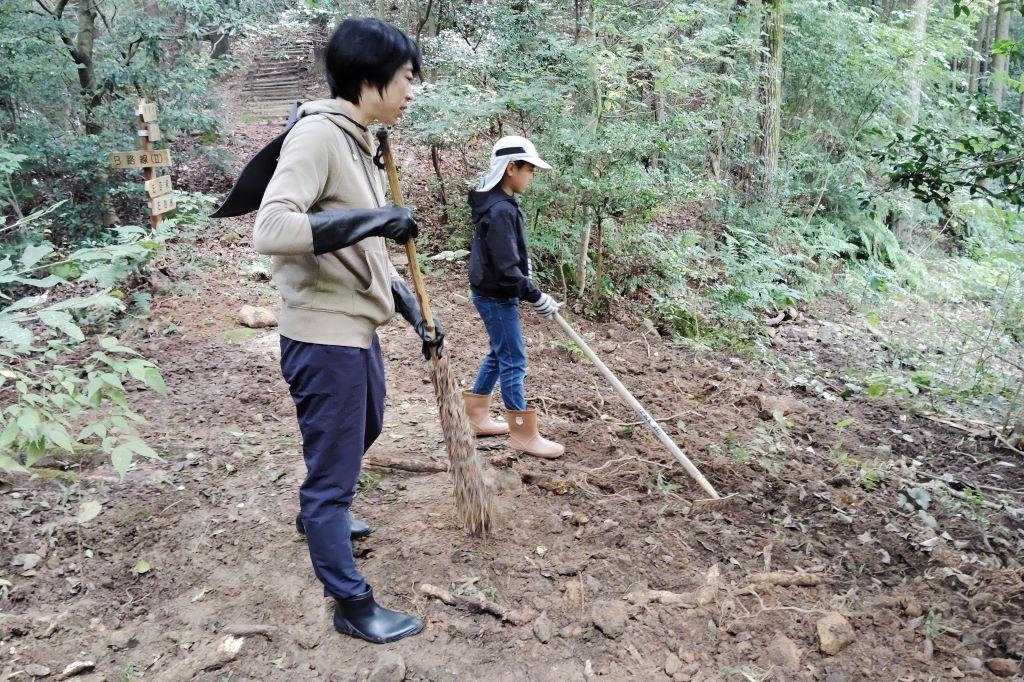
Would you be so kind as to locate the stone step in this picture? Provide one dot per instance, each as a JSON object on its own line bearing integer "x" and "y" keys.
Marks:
{"x": 283, "y": 103}
{"x": 281, "y": 87}
{"x": 275, "y": 95}
{"x": 287, "y": 55}
{"x": 279, "y": 73}
{"x": 291, "y": 78}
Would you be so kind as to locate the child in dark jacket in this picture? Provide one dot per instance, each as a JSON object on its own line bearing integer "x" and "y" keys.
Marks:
{"x": 499, "y": 277}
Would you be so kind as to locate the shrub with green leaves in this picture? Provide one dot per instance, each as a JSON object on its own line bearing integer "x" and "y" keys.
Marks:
{"x": 61, "y": 381}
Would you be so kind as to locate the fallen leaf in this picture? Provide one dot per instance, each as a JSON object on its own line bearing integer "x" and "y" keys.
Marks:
{"x": 921, "y": 496}
{"x": 88, "y": 511}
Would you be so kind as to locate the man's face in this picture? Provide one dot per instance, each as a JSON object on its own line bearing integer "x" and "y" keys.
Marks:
{"x": 388, "y": 107}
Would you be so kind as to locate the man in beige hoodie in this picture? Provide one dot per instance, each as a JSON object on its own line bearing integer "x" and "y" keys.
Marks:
{"x": 324, "y": 219}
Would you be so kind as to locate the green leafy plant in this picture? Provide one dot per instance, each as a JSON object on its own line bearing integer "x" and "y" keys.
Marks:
{"x": 984, "y": 160}
{"x": 63, "y": 383}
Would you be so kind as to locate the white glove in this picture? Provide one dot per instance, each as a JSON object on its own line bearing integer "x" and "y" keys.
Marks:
{"x": 545, "y": 306}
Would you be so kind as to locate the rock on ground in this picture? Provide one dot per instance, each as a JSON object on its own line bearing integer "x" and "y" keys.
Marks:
{"x": 77, "y": 668}
{"x": 672, "y": 664}
{"x": 256, "y": 318}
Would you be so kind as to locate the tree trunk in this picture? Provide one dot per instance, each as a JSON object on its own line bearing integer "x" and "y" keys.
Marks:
{"x": 889, "y": 6}
{"x": 82, "y": 55}
{"x": 424, "y": 21}
{"x": 220, "y": 44}
{"x": 974, "y": 62}
{"x": 599, "y": 264}
{"x": 435, "y": 159}
{"x": 986, "y": 50}
{"x": 1000, "y": 62}
{"x": 769, "y": 96}
{"x": 717, "y": 160}
{"x": 659, "y": 117}
{"x": 918, "y": 23}
{"x": 581, "y": 263}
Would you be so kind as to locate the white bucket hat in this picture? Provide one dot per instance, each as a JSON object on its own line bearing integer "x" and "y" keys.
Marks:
{"x": 509, "y": 148}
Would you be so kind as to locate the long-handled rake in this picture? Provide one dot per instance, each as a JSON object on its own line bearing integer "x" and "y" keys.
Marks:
{"x": 645, "y": 417}
{"x": 472, "y": 502}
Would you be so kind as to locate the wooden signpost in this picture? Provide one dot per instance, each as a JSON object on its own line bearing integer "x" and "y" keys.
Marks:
{"x": 158, "y": 187}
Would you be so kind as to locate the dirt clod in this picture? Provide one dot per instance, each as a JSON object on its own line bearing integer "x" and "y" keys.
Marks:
{"x": 229, "y": 647}
{"x": 834, "y": 633}
{"x": 784, "y": 653}
{"x": 1003, "y": 667}
{"x": 609, "y": 617}
{"x": 390, "y": 667}
{"x": 542, "y": 628}
{"x": 708, "y": 592}
{"x": 26, "y": 562}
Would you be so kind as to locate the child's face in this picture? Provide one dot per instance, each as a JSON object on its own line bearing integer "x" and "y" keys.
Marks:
{"x": 388, "y": 107}
{"x": 517, "y": 179}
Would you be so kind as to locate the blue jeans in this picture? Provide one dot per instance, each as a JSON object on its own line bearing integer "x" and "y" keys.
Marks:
{"x": 338, "y": 393}
{"x": 507, "y": 359}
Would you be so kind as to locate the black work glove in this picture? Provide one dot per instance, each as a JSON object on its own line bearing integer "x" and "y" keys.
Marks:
{"x": 333, "y": 230}
{"x": 409, "y": 308}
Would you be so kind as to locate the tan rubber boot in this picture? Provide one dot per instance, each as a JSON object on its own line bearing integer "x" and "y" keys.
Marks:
{"x": 524, "y": 435}
{"x": 478, "y": 408}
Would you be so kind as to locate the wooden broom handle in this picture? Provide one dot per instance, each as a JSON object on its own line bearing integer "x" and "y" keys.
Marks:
{"x": 410, "y": 247}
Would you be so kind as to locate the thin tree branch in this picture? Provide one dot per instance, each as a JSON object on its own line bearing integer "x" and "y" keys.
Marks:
{"x": 49, "y": 10}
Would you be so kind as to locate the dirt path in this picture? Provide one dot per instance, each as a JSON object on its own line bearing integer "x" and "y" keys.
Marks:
{"x": 833, "y": 489}
{"x": 214, "y": 521}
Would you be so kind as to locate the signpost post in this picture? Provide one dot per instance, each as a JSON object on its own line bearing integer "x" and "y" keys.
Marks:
{"x": 158, "y": 187}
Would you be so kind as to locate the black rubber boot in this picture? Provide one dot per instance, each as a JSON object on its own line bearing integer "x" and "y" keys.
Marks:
{"x": 362, "y": 617}
{"x": 359, "y": 528}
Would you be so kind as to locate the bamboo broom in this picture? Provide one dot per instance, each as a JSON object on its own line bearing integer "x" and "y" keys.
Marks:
{"x": 472, "y": 501}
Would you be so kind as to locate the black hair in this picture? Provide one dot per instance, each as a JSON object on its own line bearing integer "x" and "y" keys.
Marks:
{"x": 367, "y": 50}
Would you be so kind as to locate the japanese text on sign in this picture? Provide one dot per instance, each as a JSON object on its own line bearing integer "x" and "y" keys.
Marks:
{"x": 157, "y": 158}
{"x": 147, "y": 110}
{"x": 158, "y": 186}
{"x": 162, "y": 204}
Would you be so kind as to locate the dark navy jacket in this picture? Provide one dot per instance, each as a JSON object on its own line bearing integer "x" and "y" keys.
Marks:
{"x": 499, "y": 266}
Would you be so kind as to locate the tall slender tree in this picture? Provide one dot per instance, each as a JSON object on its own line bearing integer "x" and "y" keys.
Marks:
{"x": 918, "y": 22}
{"x": 769, "y": 96}
{"x": 1001, "y": 59}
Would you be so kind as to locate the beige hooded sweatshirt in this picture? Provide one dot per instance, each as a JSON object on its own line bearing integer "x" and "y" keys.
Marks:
{"x": 337, "y": 298}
